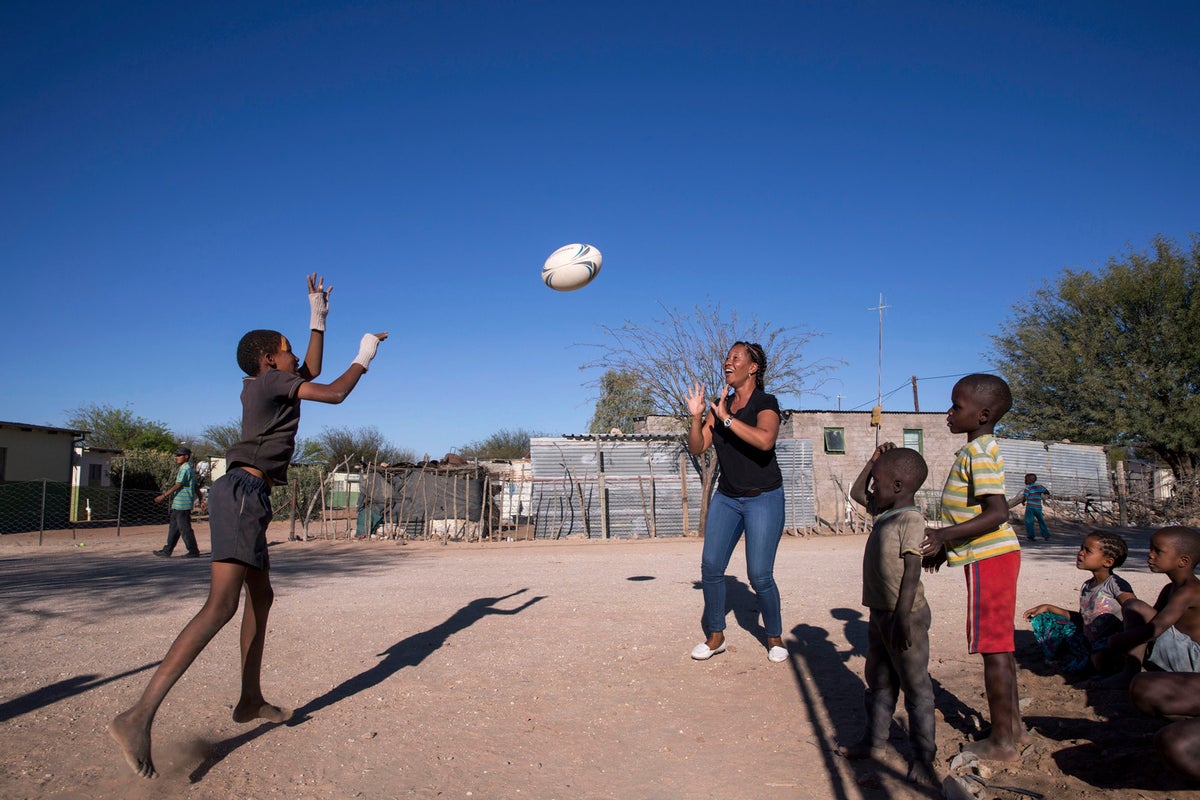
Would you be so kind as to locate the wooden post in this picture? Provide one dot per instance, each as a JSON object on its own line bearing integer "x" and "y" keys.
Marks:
{"x": 292, "y": 510}
{"x": 602, "y": 490}
{"x": 1122, "y": 495}
{"x": 916, "y": 402}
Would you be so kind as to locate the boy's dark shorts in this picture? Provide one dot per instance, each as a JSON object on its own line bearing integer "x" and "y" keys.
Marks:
{"x": 239, "y": 510}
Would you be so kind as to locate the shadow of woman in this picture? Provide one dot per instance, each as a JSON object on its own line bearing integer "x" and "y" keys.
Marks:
{"x": 405, "y": 653}
{"x": 741, "y": 600}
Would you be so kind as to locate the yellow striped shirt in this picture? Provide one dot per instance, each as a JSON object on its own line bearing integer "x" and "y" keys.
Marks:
{"x": 978, "y": 470}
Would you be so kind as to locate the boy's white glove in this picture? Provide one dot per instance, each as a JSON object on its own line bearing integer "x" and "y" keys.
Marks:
{"x": 319, "y": 303}
{"x": 366, "y": 350}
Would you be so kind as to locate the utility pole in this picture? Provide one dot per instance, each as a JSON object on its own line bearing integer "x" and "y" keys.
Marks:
{"x": 877, "y": 411}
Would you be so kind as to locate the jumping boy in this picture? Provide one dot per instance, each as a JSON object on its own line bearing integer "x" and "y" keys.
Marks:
{"x": 898, "y": 627}
{"x": 976, "y": 535}
{"x": 239, "y": 512}
{"x": 1172, "y": 624}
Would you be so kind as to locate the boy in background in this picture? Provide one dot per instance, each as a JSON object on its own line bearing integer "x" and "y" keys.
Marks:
{"x": 976, "y": 536}
{"x": 1032, "y": 496}
{"x": 898, "y": 626}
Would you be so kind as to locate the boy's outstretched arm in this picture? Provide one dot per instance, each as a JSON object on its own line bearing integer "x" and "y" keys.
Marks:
{"x": 337, "y": 391}
{"x": 318, "y": 302}
{"x": 994, "y": 514}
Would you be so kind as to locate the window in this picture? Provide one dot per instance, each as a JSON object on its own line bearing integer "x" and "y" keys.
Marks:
{"x": 914, "y": 439}
{"x": 835, "y": 440}
{"x": 94, "y": 473}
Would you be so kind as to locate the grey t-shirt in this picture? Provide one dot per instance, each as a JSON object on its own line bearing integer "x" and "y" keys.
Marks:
{"x": 270, "y": 419}
{"x": 895, "y": 532}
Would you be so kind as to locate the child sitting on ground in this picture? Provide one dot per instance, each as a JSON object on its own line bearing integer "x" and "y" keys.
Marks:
{"x": 1082, "y": 636}
{"x": 898, "y": 627}
{"x": 1176, "y": 696}
{"x": 1171, "y": 626}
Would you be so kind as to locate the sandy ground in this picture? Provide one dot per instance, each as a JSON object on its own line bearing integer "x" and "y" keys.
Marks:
{"x": 516, "y": 670}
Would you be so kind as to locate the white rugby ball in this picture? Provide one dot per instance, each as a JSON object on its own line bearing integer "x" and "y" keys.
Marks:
{"x": 571, "y": 267}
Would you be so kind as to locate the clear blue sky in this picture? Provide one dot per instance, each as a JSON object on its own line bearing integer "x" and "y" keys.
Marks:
{"x": 172, "y": 171}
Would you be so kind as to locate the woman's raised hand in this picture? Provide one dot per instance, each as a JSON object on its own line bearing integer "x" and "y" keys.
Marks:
{"x": 695, "y": 400}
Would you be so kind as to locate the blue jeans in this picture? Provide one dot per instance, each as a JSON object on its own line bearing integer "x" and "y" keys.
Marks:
{"x": 761, "y": 518}
{"x": 1032, "y": 515}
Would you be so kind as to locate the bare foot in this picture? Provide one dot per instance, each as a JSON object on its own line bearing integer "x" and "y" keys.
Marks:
{"x": 922, "y": 773}
{"x": 858, "y": 750}
{"x": 134, "y": 740}
{"x": 987, "y": 750}
{"x": 248, "y": 712}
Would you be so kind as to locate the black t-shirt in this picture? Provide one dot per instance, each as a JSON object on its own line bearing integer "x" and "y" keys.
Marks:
{"x": 746, "y": 470}
{"x": 270, "y": 419}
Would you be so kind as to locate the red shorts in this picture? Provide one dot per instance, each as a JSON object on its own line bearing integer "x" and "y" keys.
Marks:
{"x": 992, "y": 603}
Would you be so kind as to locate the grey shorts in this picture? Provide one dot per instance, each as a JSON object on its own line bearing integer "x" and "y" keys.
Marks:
{"x": 239, "y": 510}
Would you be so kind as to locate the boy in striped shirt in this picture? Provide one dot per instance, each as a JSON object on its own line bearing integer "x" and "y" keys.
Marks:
{"x": 976, "y": 535}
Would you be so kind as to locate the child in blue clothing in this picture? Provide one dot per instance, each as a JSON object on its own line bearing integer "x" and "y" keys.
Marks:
{"x": 1032, "y": 497}
{"x": 1081, "y": 637}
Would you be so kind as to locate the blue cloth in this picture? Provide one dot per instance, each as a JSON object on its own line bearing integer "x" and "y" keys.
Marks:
{"x": 1062, "y": 641}
{"x": 1033, "y": 515}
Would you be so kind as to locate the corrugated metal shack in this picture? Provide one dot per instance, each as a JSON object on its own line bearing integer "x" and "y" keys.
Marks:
{"x": 415, "y": 501}
{"x": 635, "y": 486}
{"x": 1075, "y": 474}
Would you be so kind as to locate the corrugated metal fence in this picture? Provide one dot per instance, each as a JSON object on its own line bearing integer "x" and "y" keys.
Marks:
{"x": 640, "y": 486}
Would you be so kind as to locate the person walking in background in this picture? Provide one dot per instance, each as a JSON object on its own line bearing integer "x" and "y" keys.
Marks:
{"x": 183, "y": 497}
{"x": 1032, "y": 496}
{"x": 742, "y": 426}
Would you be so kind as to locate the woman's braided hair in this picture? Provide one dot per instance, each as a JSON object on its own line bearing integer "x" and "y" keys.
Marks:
{"x": 758, "y": 356}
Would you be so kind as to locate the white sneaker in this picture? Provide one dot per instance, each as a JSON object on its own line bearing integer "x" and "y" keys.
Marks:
{"x": 777, "y": 654}
{"x": 701, "y": 652}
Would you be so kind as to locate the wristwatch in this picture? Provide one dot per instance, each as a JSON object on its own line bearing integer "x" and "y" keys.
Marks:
{"x": 728, "y": 420}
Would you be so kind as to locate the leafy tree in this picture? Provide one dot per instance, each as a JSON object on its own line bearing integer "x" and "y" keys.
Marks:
{"x": 223, "y": 435}
{"x": 358, "y": 446}
{"x": 145, "y": 470}
{"x": 1111, "y": 357}
{"x": 119, "y": 429}
{"x": 502, "y": 445}
{"x": 666, "y": 356}
{"x": 621, "y": 401}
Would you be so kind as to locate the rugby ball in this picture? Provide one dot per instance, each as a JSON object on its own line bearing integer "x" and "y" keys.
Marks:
{"x": 571, "y": 267}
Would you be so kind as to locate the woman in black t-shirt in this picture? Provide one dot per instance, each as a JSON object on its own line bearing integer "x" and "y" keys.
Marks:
{"x": 742, "y": 426}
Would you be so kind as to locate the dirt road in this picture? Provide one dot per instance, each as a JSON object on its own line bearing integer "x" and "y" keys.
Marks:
{"x": 514, "y": 670}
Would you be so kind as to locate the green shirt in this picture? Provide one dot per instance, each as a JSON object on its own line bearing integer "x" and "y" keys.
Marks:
{"x": 186, "y": 496}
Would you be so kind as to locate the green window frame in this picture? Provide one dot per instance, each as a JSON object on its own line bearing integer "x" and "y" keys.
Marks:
{"x": 914, "y": 439}
{"x": 835, "y": 440}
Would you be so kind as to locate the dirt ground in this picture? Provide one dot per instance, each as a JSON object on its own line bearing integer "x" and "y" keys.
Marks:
{"x": 517, "y": 670}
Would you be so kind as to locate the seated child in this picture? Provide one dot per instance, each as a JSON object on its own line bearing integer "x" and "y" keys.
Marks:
{"x": 1082, "y": 636}
{"x": 1176, "y": 696}
{"x": 1171, "y": 626}
{"x": 898, "y": 627}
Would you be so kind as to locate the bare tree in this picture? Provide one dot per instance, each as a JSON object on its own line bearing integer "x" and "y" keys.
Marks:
{"x": 668, "y": 355}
